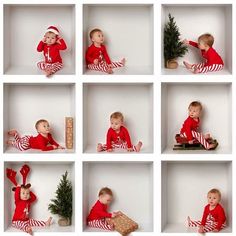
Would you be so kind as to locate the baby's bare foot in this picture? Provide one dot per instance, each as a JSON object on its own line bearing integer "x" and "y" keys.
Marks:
{"x": 211, "y": 146}
{"x": 12, "y": 132}
{"x": 29, "y": 230}
{"x": 9, "y": 142}
{"x": 138, "y": 146}
{"x": 99, "y": 147}
{"x": 48, "y": 222}
{"x": 207, "y": 136}
{"x": 187, "y": 65}
{"x": 196, "y": 71}
{"x": 123, "y": 61}
{"x": 110, "y": 71}
{"x": 48, "y": 72}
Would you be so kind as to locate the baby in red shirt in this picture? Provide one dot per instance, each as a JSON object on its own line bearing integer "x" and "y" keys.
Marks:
{"x": 213, "y": 219}
{"x": 97, "y": 57}
{"x": 212, "y": 60}
{"x": 50, "y": 45}
{"x": 191, "y": 125}
{"x": 42, "y": 141}
{"x": 23, "y": 200}
{"x": 118, "y": 136}
{"x": 99, "y": 217}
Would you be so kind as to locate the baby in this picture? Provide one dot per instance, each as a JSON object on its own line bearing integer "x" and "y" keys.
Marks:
{"x": 118, "y": 136}
{"x": 51, "y": 44}
{"x": 97, "y": 57}
{"x": 23, "y": 200}
{"x": 42, "y": 141}
{"x": 213, "y": 61}
{"x": 99, "y": 217}
{"x": 213, "y": 218}
{"x": 191, "y": 125}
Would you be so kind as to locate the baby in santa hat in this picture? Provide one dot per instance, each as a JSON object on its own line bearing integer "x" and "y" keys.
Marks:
{"x": 50, "y": 45}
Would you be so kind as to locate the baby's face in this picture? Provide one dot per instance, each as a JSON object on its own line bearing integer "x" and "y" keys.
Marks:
{"x": 24, "y": 194}
{"x": 116, "y": 124}
{"x": 51, "y": 38}
{"x": 43, "y": 128}
{"x": 105, "y": 199}
{"x": 194, "y": 112}
{"x": 213, "y": 199}
{"x": 98, "y": 37}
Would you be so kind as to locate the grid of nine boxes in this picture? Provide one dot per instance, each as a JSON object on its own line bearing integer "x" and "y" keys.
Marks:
{"x": 158, "y": 187}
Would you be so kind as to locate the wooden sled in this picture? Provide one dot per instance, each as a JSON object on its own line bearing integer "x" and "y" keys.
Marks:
{"x": 182, "y": 144}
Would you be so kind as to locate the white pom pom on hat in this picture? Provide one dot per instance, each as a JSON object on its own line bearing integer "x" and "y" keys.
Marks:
{"x": 53, "y": 29}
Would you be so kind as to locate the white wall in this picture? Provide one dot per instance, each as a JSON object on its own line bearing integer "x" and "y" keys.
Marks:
{"x": 44, "y": 178}
{"x": 134, "y": 101}
{"x": 217, "y": 111}
{"x": 130, "y": 35}
{"x": 26, "y": 103}
{"x": 185, "y": 186}
{"x": 214, "y": 19}
{"x": 134, "y": 200}
{"x": 25, "y": 26}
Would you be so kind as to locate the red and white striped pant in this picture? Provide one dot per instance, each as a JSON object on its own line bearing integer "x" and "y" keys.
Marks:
{"x": 103, "y": 66}
{"x": 118, "y": 145}
{"x": 204, "y": 69}
{"x": 200, "y": 138}
{"x": 21, "y": 143}
{"x": 24, "y": 225}
{"x": 101, "y": 224}
{"x": 54, "y": 67}
{"x": 209, "y": 226}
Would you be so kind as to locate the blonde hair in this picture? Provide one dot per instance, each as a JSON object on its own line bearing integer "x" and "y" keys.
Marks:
{"x": 117, "y": 115}
{"x": 208, "y": 39}
{"x": 39, "y": 122}
{"x": 216, "y": 191}
{"x": 92, "y": 32}
{"x": 105, "y": 190}
{"x": 195, "y": 104}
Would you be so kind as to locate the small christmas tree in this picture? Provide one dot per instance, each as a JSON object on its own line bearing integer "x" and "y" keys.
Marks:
{"x": 62, "y": 204}
{"x": 173, "y": 47}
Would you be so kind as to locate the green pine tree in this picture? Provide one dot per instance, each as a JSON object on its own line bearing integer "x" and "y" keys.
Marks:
{"x": 173, "y": 47}
{"x": 62, "y": 204}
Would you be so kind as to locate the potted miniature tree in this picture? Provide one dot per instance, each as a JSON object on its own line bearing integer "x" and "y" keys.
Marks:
{"x": 173, "y": 47}
{"x": 62, "y": 204}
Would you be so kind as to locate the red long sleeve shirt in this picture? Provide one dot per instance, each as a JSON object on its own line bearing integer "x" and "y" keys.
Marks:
{"x": 22, "y": 206}
{"x": 211, "y": 56}
{"x": 98, "y": 211}
{"x": 52, "y": 52}
{"x": 43, "y": 143}
{"x": 99, "y": 53}
{"x": 217, "y": 213}
{"x": 113, "y": 136}
{"x": 190, "y": 125}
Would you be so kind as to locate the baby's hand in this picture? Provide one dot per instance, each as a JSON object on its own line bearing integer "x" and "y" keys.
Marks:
{"x": 129, "y": 149}
{"x": 201, "y": 229}
{"x": 44, "y": 39}
{"x": 110, "y": 66}
{"x": 95, "y": 61}
{"x": 109, "y": 150}
{"x": 58, "y": 40}
{"x": 185, "y": 41}
{"x": 60, "y": 147}
{"x": 114, "y": 214}
{"x": 191, "y": 141}
{"x": 215, "y": 230}
{"x": 54, "y": 146}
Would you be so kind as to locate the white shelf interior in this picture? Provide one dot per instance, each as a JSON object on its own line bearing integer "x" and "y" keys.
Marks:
{"x": 129, "y": 23}
{"x": 25, "y": 26}
{"x": 184, "y": 192}
{"x": 24, "y": 104}
{"x": 100, "y": 100}
{"x": 44, "y": 178}
{"x": 134, "y": 200}
{"x": 195, "y": 16}
{"x": 216, "y": 117}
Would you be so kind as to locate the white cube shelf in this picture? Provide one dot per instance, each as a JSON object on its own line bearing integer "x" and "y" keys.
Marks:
{"x": 24, "y": 104}
{"x": 100, "y": 100}
{"x": 44, "y": 178}
{"x": 24, "y": 27}
{"x": 134, "y": 200}
{"x": 216, "y": 99}
{"x": 184, "y": 192}
{"x": 195, "y": 16}
{"x": 129, "y": 23}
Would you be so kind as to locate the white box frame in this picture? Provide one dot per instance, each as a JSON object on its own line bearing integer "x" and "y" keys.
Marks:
{"x": 121, "y": 177}
{"x": 185, "y": 185}
{"x": 52, "y": 102}
{"x": 21, "y": 56}
{"x": 139, "y": 17}
{"x": 44, "y": 178}
{"x": 176, "y": 98}
{"x": 127, "y": 98}
{"x": 219, "y": 24}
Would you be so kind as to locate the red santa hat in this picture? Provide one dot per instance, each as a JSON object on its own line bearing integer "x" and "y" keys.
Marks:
{"x": 53, "y": 29}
